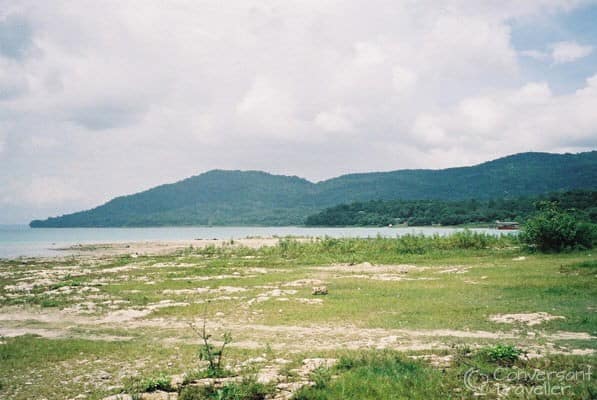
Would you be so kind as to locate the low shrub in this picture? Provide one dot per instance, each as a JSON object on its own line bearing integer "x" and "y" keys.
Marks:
{"x": 502, "y": 354}
{"x": 554, "y": 230}
{"x": 248, "y": 389}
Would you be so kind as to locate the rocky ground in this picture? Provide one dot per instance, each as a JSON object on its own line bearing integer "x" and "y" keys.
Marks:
{"x": 142, "y": 298}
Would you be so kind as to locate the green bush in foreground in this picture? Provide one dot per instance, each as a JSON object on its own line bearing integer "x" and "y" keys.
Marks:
{"x": 503, "y": 354}
{"x": 149, "y": 384}
{"x": 248, "y": 389}
{"x": 554, "y": 230}
{"x": 152, "y": 384}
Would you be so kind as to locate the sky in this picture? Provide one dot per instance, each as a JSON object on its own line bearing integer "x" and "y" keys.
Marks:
{"x": 104, "y": 98}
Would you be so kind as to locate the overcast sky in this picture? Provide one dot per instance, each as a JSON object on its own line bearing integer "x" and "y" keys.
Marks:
{"x": 103, "y": 98}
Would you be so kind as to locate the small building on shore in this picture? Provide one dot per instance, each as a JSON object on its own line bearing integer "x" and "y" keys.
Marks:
{"x": 507, "y": 225}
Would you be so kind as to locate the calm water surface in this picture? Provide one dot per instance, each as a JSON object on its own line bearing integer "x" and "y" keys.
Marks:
{"x": 20, "y": 240}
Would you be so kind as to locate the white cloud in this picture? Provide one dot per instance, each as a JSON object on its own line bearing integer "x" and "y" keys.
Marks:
{"x": 427, "y": 131}
{"x": 481, "y": 115}
{"x": 309, "y": 88}
{"x": 368, "y": 54}
{"x": 565, "y": 52}
{"x": 536, "y": 54}
{"x": 335, "y": 121}
{"x": 13, "y": 83}
{"x": 403, "y": 79}
{"x": 560, "y": 52}
{"x": 530, "y": 117}
{"x": 267, "y": 109}
{"x": 39, "y": 191}
{"x": 531, "y": 93}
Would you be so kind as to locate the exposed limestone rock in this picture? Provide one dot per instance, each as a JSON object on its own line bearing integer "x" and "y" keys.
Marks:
{"x": 319, "y": 290}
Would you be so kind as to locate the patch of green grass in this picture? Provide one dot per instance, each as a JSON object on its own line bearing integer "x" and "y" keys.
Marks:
{"x": 248, "y": 389}
{"x": 68, "y": 281}
{"x": 581, "y": 268}
{"x": 378, "y": 376}
{"x": 150, "y": 384}
{"x": 390, "y": 375}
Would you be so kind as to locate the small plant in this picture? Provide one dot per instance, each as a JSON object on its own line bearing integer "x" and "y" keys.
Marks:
{"x": 462, "y": 353}
{"x": 345, "y": 363}
{"x": 248, "y": 389}
{"x": 502, "y": 354}
{"x": 321, "y": 377}
{"x": 161, "y": 382}
{"x": 151, "y": 384}
{"x": 210, "y": 353}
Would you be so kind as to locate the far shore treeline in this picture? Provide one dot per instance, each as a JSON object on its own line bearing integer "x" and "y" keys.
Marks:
{"x": 582, "y": 203}
{"x": 501, "y": 189}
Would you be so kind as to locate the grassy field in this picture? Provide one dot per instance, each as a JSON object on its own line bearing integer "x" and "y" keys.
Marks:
{"x": 404, "y": 319}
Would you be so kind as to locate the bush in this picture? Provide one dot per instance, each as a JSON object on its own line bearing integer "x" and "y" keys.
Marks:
{"x": 209, "y": 352}
{"x": 150, "y": 384}
{"x": 248, "y": 389}
{"x": 502, "y": 354}
{"x": 552, "y": 229}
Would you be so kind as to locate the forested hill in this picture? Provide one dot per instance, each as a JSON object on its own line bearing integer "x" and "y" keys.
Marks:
{"x": 258, "y": 198}
{"x": 452, "y": 212}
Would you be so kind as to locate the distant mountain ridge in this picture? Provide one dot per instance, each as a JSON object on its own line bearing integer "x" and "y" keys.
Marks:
{"x": 221, "y": 197}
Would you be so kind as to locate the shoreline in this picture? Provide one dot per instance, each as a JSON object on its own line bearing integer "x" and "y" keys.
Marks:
{"x": 21, "y": 241}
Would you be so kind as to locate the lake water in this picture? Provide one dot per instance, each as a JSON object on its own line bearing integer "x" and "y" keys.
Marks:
{"x": 20, "y": 240}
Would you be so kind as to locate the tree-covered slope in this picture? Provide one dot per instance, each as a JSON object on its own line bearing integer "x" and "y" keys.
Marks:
{"x": 516, "y": 175}
{"x": 251, "y": 197}
{"x": 451, "y": 212}
{"x": 215, "y": 197}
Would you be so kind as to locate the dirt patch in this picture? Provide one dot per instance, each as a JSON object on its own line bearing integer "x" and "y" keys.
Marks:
{"x": 385, "y": 277}
{"x": 135, "y": 249}
{"x": 119, "y": 316}
{"x": 529, "y": 319}
{"x": 435, "y": 360}
{"x": 212, "y": 278}
{"x": 57, "y": 333}
{"x": 205, "y": 290}
{"x": 369, "y": 268}
{"x": 309, "y": 301}
{"x": 275, "y": 293}
{"x": 454, "y": 270}
{"x": 29, "y": 286}
{"x": 304, "y": 282}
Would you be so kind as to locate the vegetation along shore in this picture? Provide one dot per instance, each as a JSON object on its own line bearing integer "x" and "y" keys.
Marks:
{"x": 316, "y": 318}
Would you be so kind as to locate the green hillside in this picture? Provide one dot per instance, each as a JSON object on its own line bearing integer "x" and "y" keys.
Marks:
{"x": 451, "y": 212}
{"x": 258, "y": 198}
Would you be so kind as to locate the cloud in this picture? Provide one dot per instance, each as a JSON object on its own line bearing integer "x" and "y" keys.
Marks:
{"x": 105, "y": 116}
{"x": 267, "y": 109}
{"x": 536, "y": 54}
{"x": 39, "y": 191}
{"x": 403, "y": 79}
{"x": 15, "y": 37}
{"x": 335, "y": 121}
{"x": 560, "y": 52}
{"x": 108, "y": 100}
{"x": 529, "y": 117}
{"x": 565, "y": 52}
{"x": 12, "y": 82}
